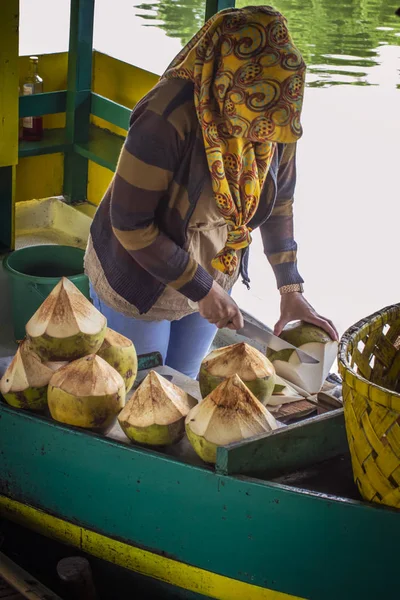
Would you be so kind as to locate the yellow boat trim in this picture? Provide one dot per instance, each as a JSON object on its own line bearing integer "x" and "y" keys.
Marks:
{"x": 135, "y": 559}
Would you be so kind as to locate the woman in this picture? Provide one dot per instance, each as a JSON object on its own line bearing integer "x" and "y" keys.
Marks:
{"x": 210, "y": 156}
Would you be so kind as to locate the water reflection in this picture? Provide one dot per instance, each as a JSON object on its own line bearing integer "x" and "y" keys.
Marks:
{"x": 341, "y": 41}
{"x": 179, "y": 19}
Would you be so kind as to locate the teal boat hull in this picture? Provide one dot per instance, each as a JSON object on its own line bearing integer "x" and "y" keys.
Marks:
{"x": 138, "y": 508}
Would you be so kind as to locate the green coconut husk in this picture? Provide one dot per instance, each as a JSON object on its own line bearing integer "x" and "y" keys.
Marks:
{"x": 253, "y": 368}
{"x": 86, "y": 393}
{"x": 66, "y": 326}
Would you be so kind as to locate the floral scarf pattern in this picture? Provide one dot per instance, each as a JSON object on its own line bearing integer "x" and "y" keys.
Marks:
{"x": 248, "y": 91}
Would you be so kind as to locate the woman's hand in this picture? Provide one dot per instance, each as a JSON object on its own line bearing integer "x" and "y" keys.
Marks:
{"x": 294, "y": 307}
{"x": 219, "y": 308}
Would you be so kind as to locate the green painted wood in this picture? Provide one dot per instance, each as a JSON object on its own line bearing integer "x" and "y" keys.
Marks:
{"x": 110, "y": 111}
{"x": 48, "y": 103}
{"x": 287, "y": 449}
{"x": 7, "y": 190}
{"x": 149, "y": 361}
{"x": 53, "y": 140}
{"x": 251, "y": 530}
{"x": 103, "y": 147}
{"x": 78, "y": 97}
{"x": 214, "y": 6}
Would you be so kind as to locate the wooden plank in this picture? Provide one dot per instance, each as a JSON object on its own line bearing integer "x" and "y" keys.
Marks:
{"x": 9, "y": 84}
{"x": 295, "y": 410}
{"x": 287, "y": 449}
{"x": 48, "y": 103}
{"x": 110, "y": 111}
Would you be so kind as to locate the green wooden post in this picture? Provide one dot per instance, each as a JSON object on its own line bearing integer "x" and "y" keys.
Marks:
{"x": 8, "y": 119}
{"x": 286, "y": 450}
{"x": 78, "y": 97}
{"x": 7, "y": 203}
{"x": 213, "y": 6}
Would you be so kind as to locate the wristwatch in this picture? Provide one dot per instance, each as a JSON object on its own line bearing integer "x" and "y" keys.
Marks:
{"x": 293, "y": 287}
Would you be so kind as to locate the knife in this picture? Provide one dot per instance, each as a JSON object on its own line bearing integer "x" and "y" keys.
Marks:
{"x": 254, "y": 330}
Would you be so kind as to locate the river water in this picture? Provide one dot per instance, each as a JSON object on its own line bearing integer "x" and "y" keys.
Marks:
{"x": 347, "y": 199}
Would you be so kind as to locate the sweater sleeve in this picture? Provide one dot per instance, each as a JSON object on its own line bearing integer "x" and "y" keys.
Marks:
{"x": 278, "y": 231}
{"x": 145, "y": 170}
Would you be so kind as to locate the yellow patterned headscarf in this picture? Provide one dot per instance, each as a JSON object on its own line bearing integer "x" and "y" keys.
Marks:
{"x": 248, "y": 90}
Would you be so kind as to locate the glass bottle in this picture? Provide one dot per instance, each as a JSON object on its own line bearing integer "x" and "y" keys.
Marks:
{"x": 33, "y": 84}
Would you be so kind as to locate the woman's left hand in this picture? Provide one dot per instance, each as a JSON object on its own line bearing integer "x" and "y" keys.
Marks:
{"x": 294, "y": 307}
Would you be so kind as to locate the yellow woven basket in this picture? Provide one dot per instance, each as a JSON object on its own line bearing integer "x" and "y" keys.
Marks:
{"x": 369, "y": 363}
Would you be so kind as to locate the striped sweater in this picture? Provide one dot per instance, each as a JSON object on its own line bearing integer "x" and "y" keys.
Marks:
{"x": 140, "y": 231}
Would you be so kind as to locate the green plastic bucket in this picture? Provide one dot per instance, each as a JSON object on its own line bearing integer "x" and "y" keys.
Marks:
{"x": 34, "y": 271}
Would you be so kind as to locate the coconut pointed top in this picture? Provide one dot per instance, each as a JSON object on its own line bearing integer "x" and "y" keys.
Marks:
{"x": 64, "y": 313}
{"x": 112, "y": 338}
{"x": 156, "y": 402}
{"x": 230, "y": 413}
{"x": 241, "y": 359}
{"x": 26, "y": 370}
{"x": 88, "y": 376}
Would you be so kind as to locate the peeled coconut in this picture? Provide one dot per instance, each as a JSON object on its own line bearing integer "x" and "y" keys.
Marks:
{"x": 280, "y": 385}
{"x": 231, "y": 413}
{"x": 283, "y": 394}
{"x": 120, "y": 353}
{"x": 253, "y": 368}
{"x": 316, "y": 342}
{"x": 155, "y": 415}
{"x": 66, "y": 326}
{"x": 24, "y": 384}
{"x": 87, "y": 393}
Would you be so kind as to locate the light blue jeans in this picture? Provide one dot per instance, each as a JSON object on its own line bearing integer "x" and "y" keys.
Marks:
{"x": 183, "y": 344}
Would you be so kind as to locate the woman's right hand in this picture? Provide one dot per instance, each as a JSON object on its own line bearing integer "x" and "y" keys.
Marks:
{"x": 219, "y": 308}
